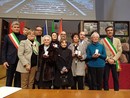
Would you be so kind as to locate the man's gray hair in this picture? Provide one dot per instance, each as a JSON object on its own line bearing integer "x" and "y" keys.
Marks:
{"x": 15, "y": 23}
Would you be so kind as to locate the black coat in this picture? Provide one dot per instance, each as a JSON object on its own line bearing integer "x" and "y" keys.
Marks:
{"x": 46, "y": 66}
{"x": 64, "y": 59}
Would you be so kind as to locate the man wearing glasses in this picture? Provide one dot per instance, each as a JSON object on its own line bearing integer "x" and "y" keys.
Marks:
{"x": 38, "y": 32}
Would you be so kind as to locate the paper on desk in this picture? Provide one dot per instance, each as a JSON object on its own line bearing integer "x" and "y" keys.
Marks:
{"x": 5, "y": 91}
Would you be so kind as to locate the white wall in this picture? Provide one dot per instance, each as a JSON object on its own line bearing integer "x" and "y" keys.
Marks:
{"x": 113, "y": 10}
{"x": 99, "y": 9}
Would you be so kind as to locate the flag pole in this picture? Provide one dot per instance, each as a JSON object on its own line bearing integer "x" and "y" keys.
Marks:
{"x": 17, "y": 18}
{"x": 46, "y": 27}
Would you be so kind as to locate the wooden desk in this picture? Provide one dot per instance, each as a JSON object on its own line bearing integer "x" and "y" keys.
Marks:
{"x": 35, "y": 93}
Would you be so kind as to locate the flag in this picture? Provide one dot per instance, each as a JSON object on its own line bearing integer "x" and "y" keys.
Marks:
{"x": 60, "y": 29}
{"x": 53, "y": 27}
{"x": 45, "y": 29}
{"x": 10, "y": 30}
{"x": 22, "y": 25}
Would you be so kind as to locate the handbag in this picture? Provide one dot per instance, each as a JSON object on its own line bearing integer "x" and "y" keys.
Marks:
{"x": 64, "y": 80}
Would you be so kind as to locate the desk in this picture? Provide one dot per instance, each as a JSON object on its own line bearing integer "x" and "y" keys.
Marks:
{"x": 124, "y": 77}
{"x": 36, "y": 93}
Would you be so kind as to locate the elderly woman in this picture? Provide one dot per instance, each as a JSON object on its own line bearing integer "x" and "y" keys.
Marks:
{"x": 46, "y": 60}
{"x": 27, "y": 53}
{"x": 96, "y": 56}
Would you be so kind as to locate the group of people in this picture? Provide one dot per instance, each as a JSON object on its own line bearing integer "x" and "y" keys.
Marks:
{"x": 52, "y": 64}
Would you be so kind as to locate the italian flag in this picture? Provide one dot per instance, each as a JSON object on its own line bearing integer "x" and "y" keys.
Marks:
{"x": 14, "y": 40}
{"x": 113, "y": 50}
{"x": 60, "y": 29}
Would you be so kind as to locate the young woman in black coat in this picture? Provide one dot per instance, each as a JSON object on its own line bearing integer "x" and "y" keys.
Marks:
{"x": 63, "y": 73}
{"x": 54, "y": 42}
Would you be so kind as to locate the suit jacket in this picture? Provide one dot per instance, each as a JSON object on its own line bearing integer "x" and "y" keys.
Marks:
{"x": 24, "y": 53}
{"x": 117, "y": 45}
{"x": 9, "y": 51}
{"x": 39, "y": 39}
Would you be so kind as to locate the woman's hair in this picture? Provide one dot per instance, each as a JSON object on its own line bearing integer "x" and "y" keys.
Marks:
{"x": 72, "y": 36}
{"x": 46, "y": 36}
{"x": 63, "y": 40}
{"x": 54, "y": 32}
{"x": 29, "y": 32}
{"x": 95, "y": 33}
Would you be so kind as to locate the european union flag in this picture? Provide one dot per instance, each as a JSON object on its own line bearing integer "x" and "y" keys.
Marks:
{"x": 45, "y": 29}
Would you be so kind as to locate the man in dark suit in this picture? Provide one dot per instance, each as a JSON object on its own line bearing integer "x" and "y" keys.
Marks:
{"x": 38, "y": 32}
{"x": 9, "y": 54}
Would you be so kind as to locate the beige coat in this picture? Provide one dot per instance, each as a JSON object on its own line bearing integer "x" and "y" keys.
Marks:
{"x": 24, "y": 54}
{"x": 118, "y": 46}
{"x": 79, "y": 68}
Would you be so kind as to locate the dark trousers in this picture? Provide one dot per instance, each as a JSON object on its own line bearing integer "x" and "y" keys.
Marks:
{"x": 96, "y": 75}
{"x": 78, "y": 80}
{"x": 13, "y": 74}
{"x": 115, "y": 76}
{"x": 89, "y": 79}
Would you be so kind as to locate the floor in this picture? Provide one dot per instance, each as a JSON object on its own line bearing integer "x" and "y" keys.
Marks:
{"x": 2, "y": 76}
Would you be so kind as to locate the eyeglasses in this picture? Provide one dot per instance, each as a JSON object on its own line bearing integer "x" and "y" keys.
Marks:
{"x": 109, "y": 29}
{"x": 63, "y": 34}
{"x": 82, "y": 34}
{"x": 38, "y": 30}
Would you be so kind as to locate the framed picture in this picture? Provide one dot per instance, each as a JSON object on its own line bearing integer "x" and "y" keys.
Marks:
{"x": 121, "y": 28}
{"x": 103, "y": 25}
{"x": 90, "y": 26}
